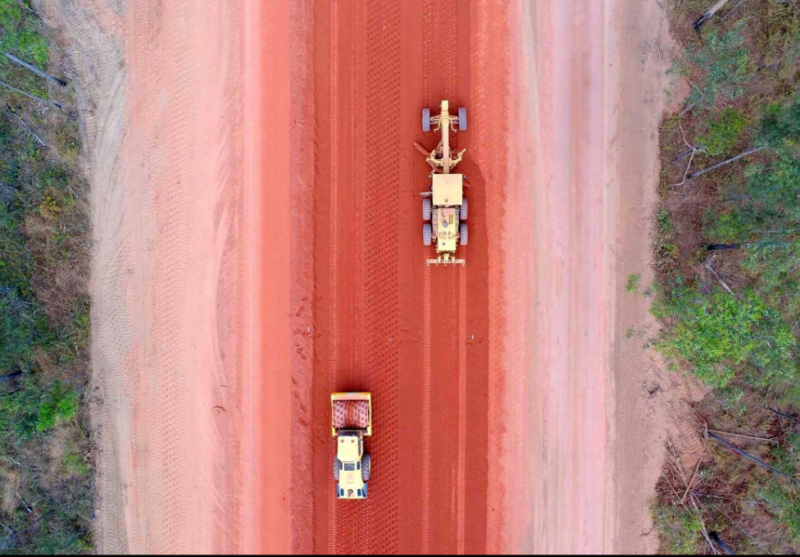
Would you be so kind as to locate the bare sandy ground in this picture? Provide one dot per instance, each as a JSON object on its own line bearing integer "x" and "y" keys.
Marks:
{"x": 591, "y": 93}
{"x": 157, "y": 87}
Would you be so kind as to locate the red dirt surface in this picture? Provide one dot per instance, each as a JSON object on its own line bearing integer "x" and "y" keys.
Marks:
{"x": 379, "y": 320}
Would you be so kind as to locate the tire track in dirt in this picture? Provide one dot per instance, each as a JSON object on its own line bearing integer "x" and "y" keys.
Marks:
{"x": 414, "y": 336}
{"x": 382, "y": 38}
{"x": 334, "y": 247}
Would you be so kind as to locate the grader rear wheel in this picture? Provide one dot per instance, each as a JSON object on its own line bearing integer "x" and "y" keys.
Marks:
{"x": 426, "y": 120}
{"x": 427, "y": 234}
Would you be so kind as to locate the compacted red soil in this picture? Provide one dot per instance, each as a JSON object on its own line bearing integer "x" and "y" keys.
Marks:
{"x": 367, "y": 314}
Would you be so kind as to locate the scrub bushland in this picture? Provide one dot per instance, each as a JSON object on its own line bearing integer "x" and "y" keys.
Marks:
{"x": 727, "y": 256}
{"x": 46, "y": 468}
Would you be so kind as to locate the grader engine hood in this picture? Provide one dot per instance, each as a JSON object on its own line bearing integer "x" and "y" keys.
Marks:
{"x": 448, "y": 190}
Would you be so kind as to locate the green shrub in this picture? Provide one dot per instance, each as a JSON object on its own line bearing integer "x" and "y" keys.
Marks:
{"x": 59, "y": 405}
{"x": 679, "y": 529}
{"x": 717, "y": 333}
{"x": 783, "y": 501}
{"x": 633, "y": 283}
{"x": 724, "y": 132}
{"x": 719, "y": 67}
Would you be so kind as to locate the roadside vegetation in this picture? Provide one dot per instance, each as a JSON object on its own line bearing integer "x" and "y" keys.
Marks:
{"x": 46, "y": 470}
{"x": 727, "y": 253}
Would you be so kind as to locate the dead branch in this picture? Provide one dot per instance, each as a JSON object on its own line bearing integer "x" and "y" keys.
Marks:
{"x": 745, "y": 532}
{"x": 691, "y": 479}
{"x": 703, "y": 526}
{"x": 691, "y": 158}
{"x": 754, "y": 437}
{"x": 35, "y": 70}
{"x": 679, "y": 157}
{"x": 25, "y": 125}
{"x": 733, "y": 9}
{"x": 722, "y": 545}
{"x": 792, "y": 417}
{"x": 33, "y": 97}
{"x": 748, "y": 456}
{"x": 726, "y": 162}
{"x": 714, "y": 273}
{"x": 687, "y": 109}
{"x": 709, "y": 14}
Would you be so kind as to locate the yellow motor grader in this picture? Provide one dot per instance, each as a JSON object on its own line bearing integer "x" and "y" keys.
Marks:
{"x": 444, "y": 207}
{"x": 351, "y": 417}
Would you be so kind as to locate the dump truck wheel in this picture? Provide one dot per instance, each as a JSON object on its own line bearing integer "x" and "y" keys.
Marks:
{"x": 464, "y": 233}
{"x": 427, "y": 234}
{"x": 426, "y": 119}
{"x": 366, "y": 463}
{"x": 426, "y": 208}
{"x": 337, "y": 466}
{"x": 464, "y": 210}
{"x": 462, "y": 119}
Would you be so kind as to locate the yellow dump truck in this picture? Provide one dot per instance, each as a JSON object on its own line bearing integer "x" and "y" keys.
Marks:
{"x": 351, "y": 417}
{"x": 444, "y": 207}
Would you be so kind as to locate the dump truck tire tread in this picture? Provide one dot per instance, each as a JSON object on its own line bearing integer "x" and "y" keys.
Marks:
{"x": 427, "y": 234}
{"x": 462, "y": 119}
{"x": 464, "y": 209}
{"x": 337, "y": 466}
{"x": 464, "y": 233}
{"x": 366, "y": 466}
{"x": 426, "y": 120}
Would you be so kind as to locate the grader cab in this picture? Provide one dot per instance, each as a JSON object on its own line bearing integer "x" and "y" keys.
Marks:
{"x": 444, "y": 207}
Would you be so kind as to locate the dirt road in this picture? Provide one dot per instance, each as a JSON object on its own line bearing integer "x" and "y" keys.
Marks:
{"x": 258, "y": 245}
{"x": 418, "y": 338}
{"x": 586, "y": 171}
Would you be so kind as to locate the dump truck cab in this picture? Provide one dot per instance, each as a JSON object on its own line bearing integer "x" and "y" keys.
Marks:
{"x": 444, "y": 207}
{"x": 349, "y": 454}
{"x": 351, "y": 416}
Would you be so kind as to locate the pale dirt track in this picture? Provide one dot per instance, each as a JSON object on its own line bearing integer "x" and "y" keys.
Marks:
{"x": 585, "y": 171}
{"x": 258, "y": 234}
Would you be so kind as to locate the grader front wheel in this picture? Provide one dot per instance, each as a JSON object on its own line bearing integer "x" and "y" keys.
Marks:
{"x": 426, "y": 208}
{"x": 426, "y": 120}
{"x": 462, "y": 119}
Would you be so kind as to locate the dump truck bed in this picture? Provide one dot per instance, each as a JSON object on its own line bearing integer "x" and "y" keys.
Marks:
{"x": 351, "y": 411}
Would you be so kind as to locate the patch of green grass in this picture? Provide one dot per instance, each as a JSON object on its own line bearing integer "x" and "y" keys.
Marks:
{"x": 633, "y": 283}
{"x": 664, "y": 222}
{"x": 679, "y": 529}
{"x": 784, "y": 502}
{"x": 717, "y": 334}
{"x": 718, "y": 67}
{"x": 724, "y": 132}
{"x": 46, "y": 475}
